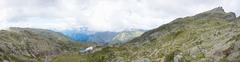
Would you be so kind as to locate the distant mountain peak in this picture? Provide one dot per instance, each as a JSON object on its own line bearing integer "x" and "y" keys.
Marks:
{"x": 217, "y": 10}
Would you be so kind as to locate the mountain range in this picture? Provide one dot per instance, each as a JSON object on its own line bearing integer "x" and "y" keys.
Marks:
{"x": 83, "y": 35}
{"x": 210, "y": 36}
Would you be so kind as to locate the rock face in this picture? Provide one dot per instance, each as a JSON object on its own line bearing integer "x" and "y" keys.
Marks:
{"x": 126, "y": 36}
{"x": 31, "y": 45}
{"x": 211, "y": 36}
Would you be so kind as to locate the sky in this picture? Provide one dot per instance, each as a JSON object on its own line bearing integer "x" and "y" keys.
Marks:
{"x": 103, "y": 15}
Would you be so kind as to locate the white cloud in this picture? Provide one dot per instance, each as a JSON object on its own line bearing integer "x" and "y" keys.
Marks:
{"x": 102, "y": 15}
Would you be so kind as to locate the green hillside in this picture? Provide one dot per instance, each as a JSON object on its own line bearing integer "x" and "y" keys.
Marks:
{"x": 211, "y": 36}
{"x": 33, "y": 45}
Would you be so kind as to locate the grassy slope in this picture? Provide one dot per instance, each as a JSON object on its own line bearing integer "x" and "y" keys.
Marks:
{"x": 205, "y": 37}
{"x": 26, "y": 44}
{"x": 69, "y": 57}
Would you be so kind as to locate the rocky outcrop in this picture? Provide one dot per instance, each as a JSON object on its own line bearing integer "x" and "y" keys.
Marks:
{"x": 230, "y": 16}
{"x": 217, "y": 12}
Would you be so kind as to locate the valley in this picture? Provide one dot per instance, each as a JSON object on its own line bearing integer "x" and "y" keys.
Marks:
{"x": 210, "y": 36}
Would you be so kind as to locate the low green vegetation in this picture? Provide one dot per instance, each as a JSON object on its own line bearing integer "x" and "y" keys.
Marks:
{"x": 70, "y": 57}
{"x": 205, "y": 37}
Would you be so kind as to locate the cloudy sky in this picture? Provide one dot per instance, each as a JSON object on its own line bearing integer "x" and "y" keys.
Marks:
{"x": 103, "y": 15}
